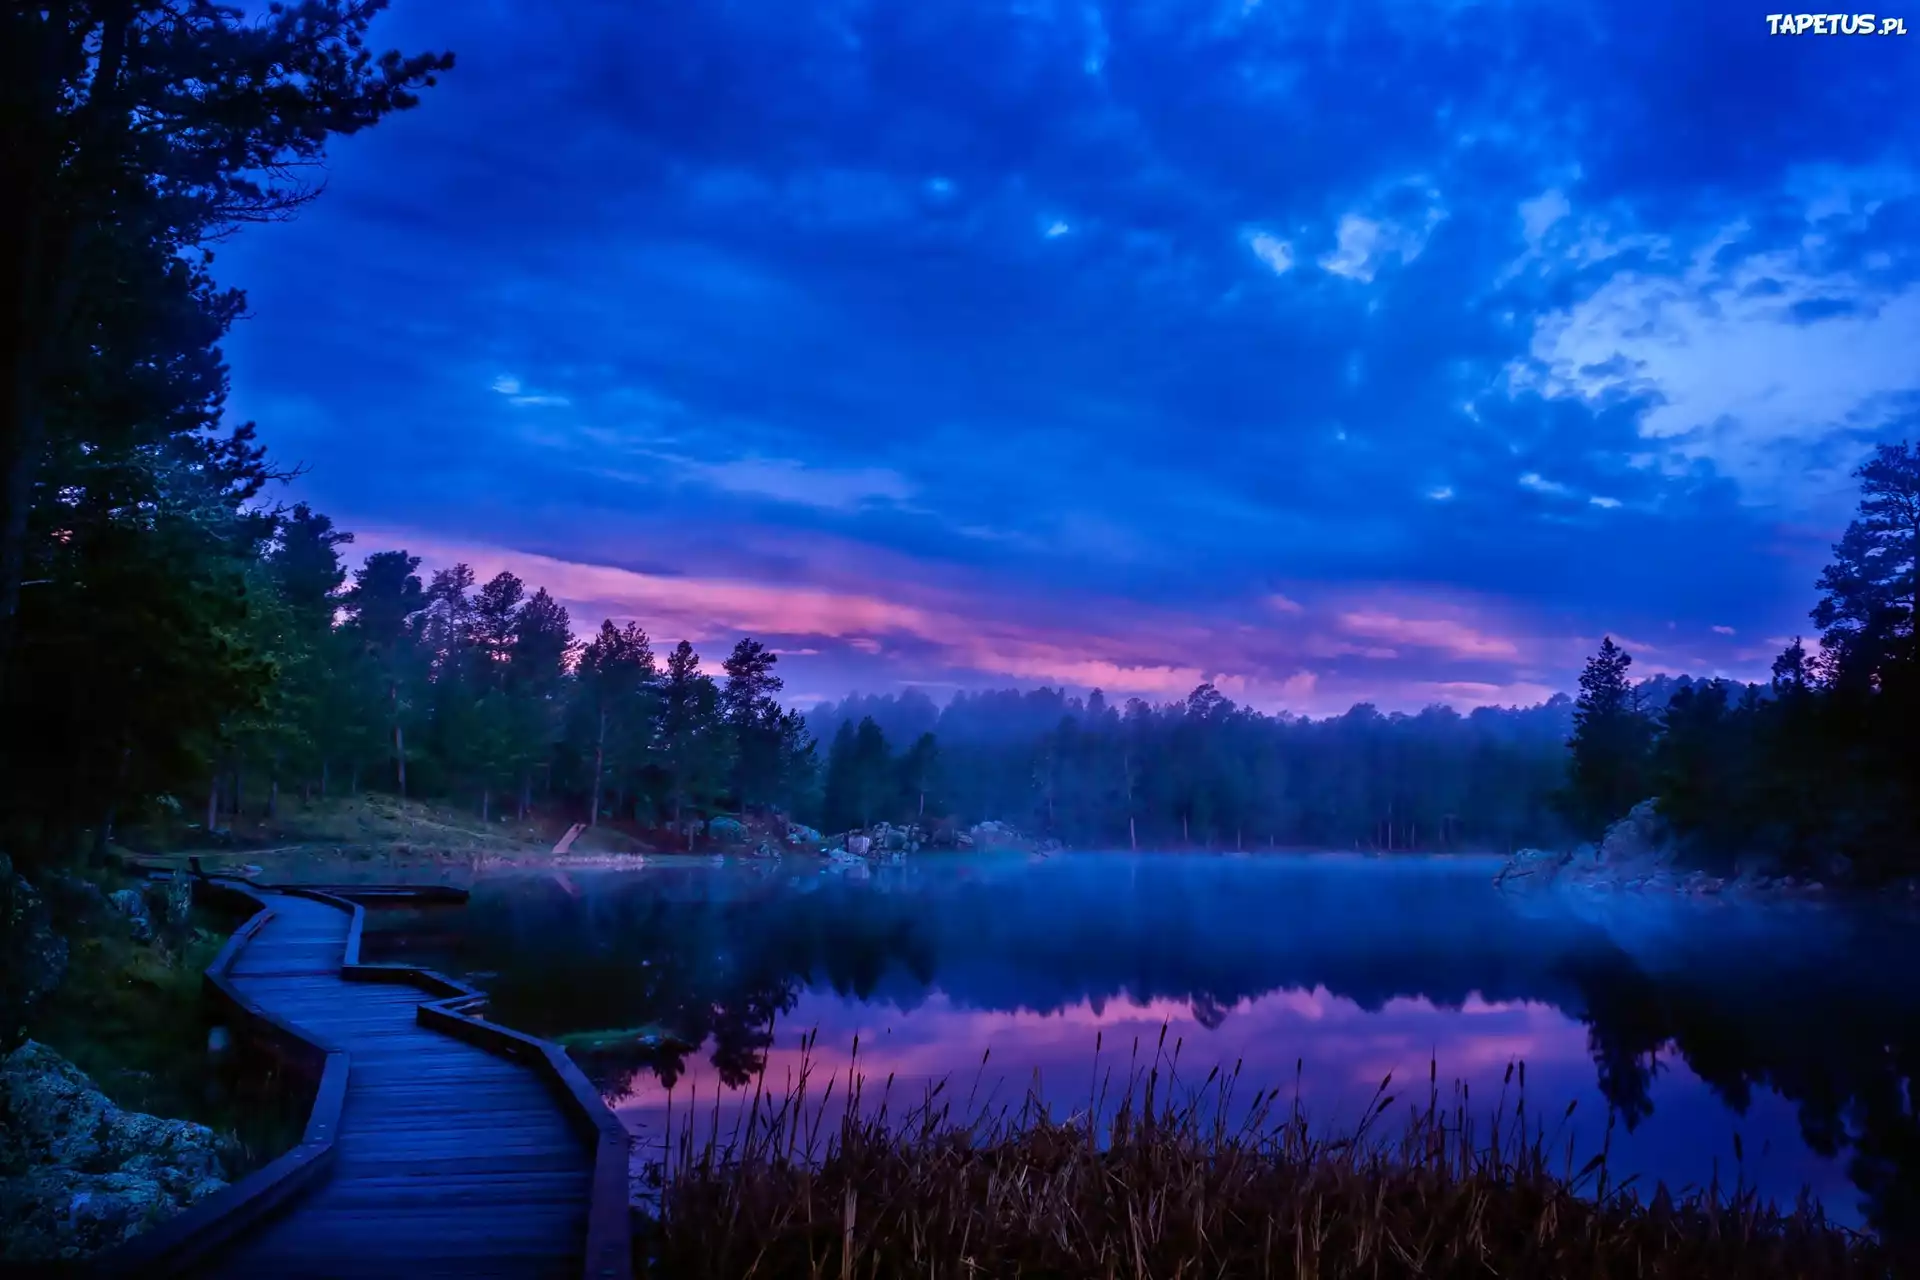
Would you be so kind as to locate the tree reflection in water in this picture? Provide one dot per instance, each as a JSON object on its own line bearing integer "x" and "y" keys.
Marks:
{"x": 1813, "y": 1007}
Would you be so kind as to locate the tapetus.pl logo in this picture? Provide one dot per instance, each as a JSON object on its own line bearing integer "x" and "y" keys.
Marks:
{"x": 1834, "y": 24}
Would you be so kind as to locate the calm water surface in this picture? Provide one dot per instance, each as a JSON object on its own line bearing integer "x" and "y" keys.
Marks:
{"x": 1795, "y": 1028}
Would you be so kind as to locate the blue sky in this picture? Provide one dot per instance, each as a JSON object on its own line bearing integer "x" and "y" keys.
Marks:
{"x": 1391, "y": 351}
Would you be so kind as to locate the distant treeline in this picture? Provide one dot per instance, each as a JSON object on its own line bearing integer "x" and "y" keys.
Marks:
{"x": 1202, "y": 773}
{"x": 325, "y": 678}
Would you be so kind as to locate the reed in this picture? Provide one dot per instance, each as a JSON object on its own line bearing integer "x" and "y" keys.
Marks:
{"x": 1157, "y": 1176}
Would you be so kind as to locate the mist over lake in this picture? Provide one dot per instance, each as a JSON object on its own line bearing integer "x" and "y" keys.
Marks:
{"x": 1790, "y": 1026}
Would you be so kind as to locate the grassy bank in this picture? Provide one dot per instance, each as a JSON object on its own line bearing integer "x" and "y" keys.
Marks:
{"x": 133, "y": 1015}
{"x": 1176, "y": 1180}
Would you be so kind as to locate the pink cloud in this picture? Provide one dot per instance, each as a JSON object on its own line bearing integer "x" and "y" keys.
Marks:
{"x": 1474, "y": 693}
{"x": 929, "y": 623}
{"x": 1444, "y": 634}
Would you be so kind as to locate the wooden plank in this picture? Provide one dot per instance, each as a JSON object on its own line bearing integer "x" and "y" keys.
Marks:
{"x": 450, "y": 1145}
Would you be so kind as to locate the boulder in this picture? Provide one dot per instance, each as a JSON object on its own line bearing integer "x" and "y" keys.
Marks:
{"x": 81, "y": 1174}
{"x": 33, "y": 957}
{"x": 130, "y": 904}
{"x": 800, "y": 833}
{"x": 1637, "y": 853}
{"x": 859, "y": 845}
{"x": 1531, "y": 868}
{"x": 170, "y": 901}
{"x": 724, "y": 828}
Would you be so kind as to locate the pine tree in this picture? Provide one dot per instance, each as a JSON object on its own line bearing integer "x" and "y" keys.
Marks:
{"x": 380, "y": 607}
{"x": 1611, "y": 736}
{"x": 1866, "y": 614}
{"x": 613, "y": 727}
{"x": 691, "y": 734}
{"x": 753, "y": 722}
{"x": 136, "y": 132}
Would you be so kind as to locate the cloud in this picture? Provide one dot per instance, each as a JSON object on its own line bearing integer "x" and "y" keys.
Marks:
{"x": 1076, "y": 355}
{"x": 1540, "y": 214}
{"x": 1270, "y": 249}
{"x": 1365, "y": 244}
{"x": 1745, "y": 354}
{"x": 1446, "y": 635}
{"x": 790, "y": 480}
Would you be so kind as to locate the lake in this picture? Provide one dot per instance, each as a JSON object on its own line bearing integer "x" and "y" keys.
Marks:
{"x": 1795, "y": 1028}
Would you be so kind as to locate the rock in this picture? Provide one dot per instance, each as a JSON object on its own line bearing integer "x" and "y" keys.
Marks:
{"x": 83, "y": 1174}
{"x": 1531, "y": 868}
{"x": 33, "y": 957}
{"x": 130, "y": 904}
{"x": 1637, "y": 853}
{"x": 170, "y": 901}
{"x": 724, "y": 828}
{"x": 800, "y": 833}
{"x": 859, "y": 846}
{"x": 765, "y": 849}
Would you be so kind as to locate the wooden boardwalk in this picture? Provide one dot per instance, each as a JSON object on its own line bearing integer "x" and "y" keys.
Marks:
{"x": 441, "y": 1145}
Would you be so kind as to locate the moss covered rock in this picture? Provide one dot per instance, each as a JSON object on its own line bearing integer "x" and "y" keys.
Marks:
{"x": 79, "y": 1174}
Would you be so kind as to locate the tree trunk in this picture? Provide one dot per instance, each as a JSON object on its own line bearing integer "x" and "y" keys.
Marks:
{"x": 486, "y": 803}
{"x": 1133, "y": 836}
{"x": 323, "y": 777}
{"x": 400, "y": 759}
{"x": 599, "y": 764}
{"x": 213, "y": 803}
{"x": 1186, "y": 838}
{"x": 526, "y": 793}
{"x": 353, "y": 779}
{"x": 273, "y": 788}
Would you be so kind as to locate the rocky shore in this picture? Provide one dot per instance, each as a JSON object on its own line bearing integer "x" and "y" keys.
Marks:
{"x": 79, "y": 1174}
{"x": 1639, "y": 854}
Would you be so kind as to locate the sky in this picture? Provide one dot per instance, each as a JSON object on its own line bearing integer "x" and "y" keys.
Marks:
{"x": 1391, "y": 352}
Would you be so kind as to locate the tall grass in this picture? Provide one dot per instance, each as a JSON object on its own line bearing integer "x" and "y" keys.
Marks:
{"x": 1157, "y": 1176}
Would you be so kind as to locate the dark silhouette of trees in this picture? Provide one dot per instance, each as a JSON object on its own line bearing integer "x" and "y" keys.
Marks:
{"x": 1607, "y": 772}
{"x": 132, "y": 134}
{"x": 1813, "y": 771}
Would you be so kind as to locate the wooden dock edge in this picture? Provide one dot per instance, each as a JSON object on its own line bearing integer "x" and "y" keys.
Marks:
{"x": 174, "y": 1246}
{"x": 609, "y": 1244}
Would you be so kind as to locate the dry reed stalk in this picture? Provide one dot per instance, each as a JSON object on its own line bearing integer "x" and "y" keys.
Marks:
{"x": 1169, "y": 1181}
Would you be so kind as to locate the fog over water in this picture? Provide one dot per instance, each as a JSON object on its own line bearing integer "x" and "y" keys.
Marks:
{"x": 1692, "y": 1023}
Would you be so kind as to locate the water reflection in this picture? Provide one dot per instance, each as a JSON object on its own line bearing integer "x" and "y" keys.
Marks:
{"x": 1798, "y": 1030}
